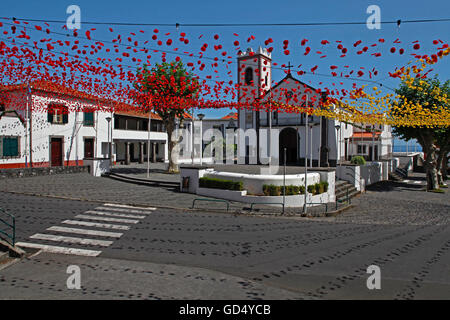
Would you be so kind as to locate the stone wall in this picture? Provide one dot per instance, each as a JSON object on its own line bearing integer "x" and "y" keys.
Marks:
{"x": 44, "y": 171}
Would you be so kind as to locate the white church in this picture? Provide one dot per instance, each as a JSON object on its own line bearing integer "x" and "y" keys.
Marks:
{"x": 329, "y": 142}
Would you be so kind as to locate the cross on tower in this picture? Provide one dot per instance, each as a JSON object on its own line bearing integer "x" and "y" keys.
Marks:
{"x": 289, "y": 66}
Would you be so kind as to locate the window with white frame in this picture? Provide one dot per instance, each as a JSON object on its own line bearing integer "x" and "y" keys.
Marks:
{"x": 362, "y": 149}
{"x": 10, "y": 147}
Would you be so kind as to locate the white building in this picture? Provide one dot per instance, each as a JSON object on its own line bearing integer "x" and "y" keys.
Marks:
{"x": 45, "y": 124}
{"x": 329, "y": 140}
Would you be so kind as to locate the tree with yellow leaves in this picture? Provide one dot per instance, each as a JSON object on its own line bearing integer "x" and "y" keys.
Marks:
{"x": 435, "y": 140}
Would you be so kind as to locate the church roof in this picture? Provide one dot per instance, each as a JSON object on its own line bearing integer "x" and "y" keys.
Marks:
{"x": 289, "y": 76}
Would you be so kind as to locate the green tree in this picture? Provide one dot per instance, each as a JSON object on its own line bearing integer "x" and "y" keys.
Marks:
{"x": 170, "y": 90}
{"x": 435, "y": 141}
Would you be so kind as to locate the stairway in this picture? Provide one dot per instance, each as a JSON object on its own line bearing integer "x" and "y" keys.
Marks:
{"x": 398, "y": 175}
{"x": 341, "y": 188}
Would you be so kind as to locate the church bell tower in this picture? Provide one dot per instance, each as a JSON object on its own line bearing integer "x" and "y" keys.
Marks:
{"x": 254, "y": 79}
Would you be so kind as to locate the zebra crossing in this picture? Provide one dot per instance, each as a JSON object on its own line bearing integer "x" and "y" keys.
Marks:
{"x": 87, "y": 233}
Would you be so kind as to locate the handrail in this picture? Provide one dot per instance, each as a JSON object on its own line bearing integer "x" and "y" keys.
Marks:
{"x": 214, "y": 200}
{"x": 347, "y": 199}
{"x": 12, "y": 236}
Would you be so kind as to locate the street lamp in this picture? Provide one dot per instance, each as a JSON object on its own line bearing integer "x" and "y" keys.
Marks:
{"x": 109, "y": 143}
{"x": 338, "y": 127}
{"x": 201, "y": 116}
{"x": 311, "y": 125}
{"x": 192, "y": 136}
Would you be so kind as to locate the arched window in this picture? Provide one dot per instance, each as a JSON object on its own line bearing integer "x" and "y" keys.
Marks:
{"x": 249, "y": 76}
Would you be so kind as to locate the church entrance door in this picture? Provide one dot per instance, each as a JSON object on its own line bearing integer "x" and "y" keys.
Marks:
{"x": 288, "y": 139}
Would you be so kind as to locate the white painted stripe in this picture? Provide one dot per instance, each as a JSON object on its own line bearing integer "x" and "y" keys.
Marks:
{"x": 82, "y": 216}
{"x": 129, "y": 207}
{"x": 104, "y": 213}
{"x": 406, "y": 181}
{"x": 51, "y": 237}
{"x": 417, "y": 182}
{"x": 63, "y": 250}
{"x": 124, "y": 210}
{"x": 88, "y": 232}
{"x": 97, "y": 225}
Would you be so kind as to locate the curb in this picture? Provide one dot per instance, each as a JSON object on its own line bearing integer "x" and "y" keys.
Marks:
{"x": 14, "y": 251}
{"x": 339, "y": 211}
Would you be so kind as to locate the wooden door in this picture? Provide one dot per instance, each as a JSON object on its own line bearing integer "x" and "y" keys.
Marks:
{"x": 89, "y": 147}
{"x": 56, "y": 152}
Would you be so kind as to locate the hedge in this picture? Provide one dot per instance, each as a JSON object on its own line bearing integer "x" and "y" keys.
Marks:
{"x": 215, "y": 183}
{"x": 273, "y": 190}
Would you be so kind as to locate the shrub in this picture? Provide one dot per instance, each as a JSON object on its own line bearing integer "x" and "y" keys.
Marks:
{"x": 302, "y": 189}
{"x": 291, "y": 190}
{"x": 274, "y": 190}
{"x": 316, "y": 188}
{"x": 324, "y": 185}
{"x": 358, "y": 160}
{"x": 266, "y": 190}
{"x": 215, "y": 183}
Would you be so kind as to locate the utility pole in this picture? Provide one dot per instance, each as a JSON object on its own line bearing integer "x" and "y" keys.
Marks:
{"x": 148, "y": 141}
{"x": 306, "y": 162}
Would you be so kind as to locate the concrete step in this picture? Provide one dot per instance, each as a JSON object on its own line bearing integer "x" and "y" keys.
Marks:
{"x": 351, "y": 195}
{"x": 395, "y": 177}
{"x": 140, "y": 181}
{"x": 344, "y": 194}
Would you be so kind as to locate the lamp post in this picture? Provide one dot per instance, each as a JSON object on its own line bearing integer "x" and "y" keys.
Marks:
{"x": 201, "y": 116}
{"x": 148, "y": 142}
{"x": 338, "y": 127}
{"x": 311, "y": 125}
{"x": 373, "y": 143}
{"x": 305, "y": 206}
{"x": 109, "y": 143}
{"x": 192, "y": 136}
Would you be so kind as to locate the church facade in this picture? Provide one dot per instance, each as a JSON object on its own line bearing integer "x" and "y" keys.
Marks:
{"x": 327, "y": 142}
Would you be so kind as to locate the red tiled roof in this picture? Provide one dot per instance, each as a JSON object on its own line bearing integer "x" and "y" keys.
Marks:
{"x": 362, "y": 135}
{"x": 47, "y": 86}
{"x": 231, "y": 115}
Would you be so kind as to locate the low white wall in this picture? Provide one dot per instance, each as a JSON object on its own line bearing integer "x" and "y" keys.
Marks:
{"x": 372, "y": 172}
{"x": 193, "y": 174}
{"x": 97, "y": 166}
{"x": 296, "y": 201}
{"x": 256, "y": 182}
{"x": 351, "y": 174}
{"x": 253, "y": 183}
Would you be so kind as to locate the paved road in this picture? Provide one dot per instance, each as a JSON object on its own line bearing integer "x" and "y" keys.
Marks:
{"x": 405, "y": 232}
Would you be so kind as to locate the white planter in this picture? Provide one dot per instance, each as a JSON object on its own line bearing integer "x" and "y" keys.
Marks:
{"x": 97, "y": 166}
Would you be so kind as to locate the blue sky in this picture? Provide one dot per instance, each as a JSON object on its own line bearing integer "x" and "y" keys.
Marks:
{"x": 269, "y": 12}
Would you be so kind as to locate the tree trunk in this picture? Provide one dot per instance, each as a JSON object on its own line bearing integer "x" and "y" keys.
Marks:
{"x": 431, "y": 169}
{"x": 172, "y": 143}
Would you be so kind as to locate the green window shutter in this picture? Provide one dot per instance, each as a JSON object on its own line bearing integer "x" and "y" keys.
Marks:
{"x": 88, "y": 118}
{"x": 10, "y": 147}
{"x": 65, "y": 117}
{"x": 50, "y": 115}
